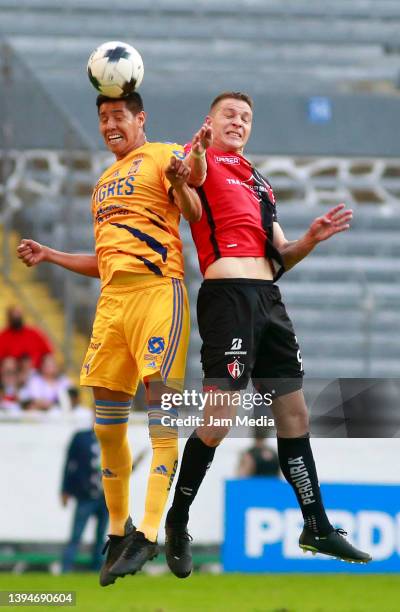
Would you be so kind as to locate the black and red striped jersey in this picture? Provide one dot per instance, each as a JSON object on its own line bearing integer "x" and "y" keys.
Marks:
{"x": 238, "y": 212}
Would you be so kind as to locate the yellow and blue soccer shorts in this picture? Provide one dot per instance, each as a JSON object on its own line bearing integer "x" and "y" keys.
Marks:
{"x": 141, "y": 329}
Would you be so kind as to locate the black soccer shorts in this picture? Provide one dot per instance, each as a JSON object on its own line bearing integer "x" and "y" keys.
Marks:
{"x": 247, "y": 333}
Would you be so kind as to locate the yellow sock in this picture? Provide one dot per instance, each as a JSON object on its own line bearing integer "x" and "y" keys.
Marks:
{"x": 111, "y": 428}
{"x": 162, "y": 472}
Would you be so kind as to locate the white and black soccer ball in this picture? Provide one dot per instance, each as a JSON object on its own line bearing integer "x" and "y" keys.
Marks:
{"x": 115, "y": 69}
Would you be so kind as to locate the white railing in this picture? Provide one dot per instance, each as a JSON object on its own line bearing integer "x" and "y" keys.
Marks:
{"x": 56, "y": 176}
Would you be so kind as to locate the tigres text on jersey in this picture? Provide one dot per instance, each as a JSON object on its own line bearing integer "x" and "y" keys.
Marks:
{"x": 135, "y": 219}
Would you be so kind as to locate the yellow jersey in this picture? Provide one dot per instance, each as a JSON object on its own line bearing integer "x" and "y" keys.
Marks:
{"x": 136, "y": 222}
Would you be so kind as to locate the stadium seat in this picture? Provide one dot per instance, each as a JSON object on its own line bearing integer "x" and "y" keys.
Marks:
{"x": 347, "y": 290}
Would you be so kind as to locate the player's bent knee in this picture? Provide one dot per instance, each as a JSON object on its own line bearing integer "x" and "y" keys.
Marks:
{"x": 212, "y": 437}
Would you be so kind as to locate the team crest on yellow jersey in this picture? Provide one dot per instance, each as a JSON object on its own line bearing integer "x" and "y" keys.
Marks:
{"x": 135, "y": 165}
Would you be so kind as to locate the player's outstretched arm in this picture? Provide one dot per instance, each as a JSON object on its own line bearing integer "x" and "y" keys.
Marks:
{"x": 33, "y": 253}
{"x": 196, "y": 159}
{"x": 185, "y": 197}
{"x": 335, "y": 221}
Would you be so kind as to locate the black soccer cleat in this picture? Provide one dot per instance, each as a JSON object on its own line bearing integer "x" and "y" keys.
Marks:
{"x": 334, "y": 545}
{"x": 114, "y": 546}
{"x": 136, "y": 551}
{"x": 177, "y": 550}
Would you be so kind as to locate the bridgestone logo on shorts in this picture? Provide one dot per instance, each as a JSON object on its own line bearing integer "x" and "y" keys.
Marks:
{"x": 301, "y": 480}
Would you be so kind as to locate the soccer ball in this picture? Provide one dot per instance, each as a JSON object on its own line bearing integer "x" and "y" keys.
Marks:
{"x": 115, "y": 69}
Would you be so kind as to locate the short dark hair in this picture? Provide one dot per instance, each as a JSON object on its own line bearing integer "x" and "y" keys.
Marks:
{"x": 236, "y": 95}
{"x": 133, "y": 102}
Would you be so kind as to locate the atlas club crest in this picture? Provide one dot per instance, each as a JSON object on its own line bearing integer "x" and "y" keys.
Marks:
{"x": 235, "y": 368}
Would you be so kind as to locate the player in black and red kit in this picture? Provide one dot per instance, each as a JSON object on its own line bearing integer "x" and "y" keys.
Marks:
{"x": 243, "y": 323}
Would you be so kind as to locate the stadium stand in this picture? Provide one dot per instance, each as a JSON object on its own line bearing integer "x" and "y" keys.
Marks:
{"x": 279, "y": 49}
{"x": 343, "y": 299}
{"x": 22, "y": 287}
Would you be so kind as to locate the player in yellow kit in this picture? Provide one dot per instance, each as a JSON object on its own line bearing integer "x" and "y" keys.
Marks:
{"x": 141, "y": 329}
{"x": 137, "y": 246}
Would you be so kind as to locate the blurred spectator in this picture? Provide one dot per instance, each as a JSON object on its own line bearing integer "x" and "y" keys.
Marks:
{"x": 82, "y": 481}
{"x": 80, "y": 412}
{"x": 12, "y": 376}
{"x": 8, "y": 404}
{"x": 46, "y": 388}
{"x": 25, "y": 369}
{"x": 18, "y": 339}
{"x": 260, "y": 459}
{"x": 9, "y": 377}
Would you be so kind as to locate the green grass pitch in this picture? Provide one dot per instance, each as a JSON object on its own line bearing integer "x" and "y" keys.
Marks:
{"x": 218, "y": 593}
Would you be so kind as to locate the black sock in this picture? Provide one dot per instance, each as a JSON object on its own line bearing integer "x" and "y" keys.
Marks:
{"x": 297, "y": 464}
{"x": 196, "y": 460}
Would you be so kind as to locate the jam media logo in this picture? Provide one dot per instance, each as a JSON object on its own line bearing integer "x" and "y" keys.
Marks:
{"x": 235, "y": 368}
{"x": 156, "y": 345}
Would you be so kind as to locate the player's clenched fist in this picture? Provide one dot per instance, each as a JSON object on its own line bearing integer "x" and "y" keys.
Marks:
{"x": 31, "y": 252}
{"x": 177, "y": 172}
